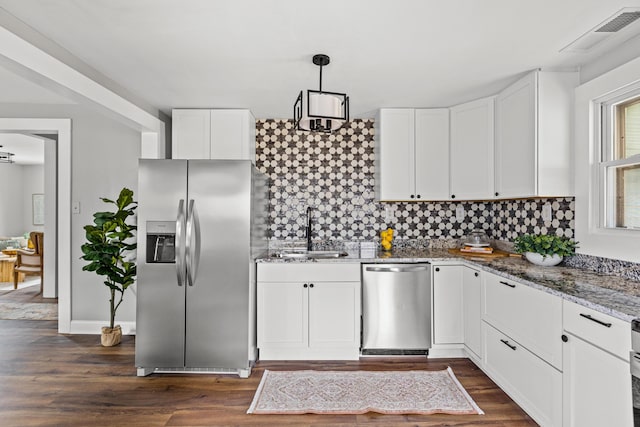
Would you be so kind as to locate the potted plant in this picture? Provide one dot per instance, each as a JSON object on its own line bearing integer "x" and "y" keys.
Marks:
{"x": 109, "y": 248}
{"x": 544, "y": 249}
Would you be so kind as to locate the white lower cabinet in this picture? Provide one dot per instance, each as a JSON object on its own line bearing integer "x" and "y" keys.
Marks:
{"x": 531, "y": 316}
{"x": 522, "y": 329}
{"x": 308, "y": 311}
{"x": 534, "y": 384}
{"x": 596, "y": 377}
{"x": 472, "y": 313}
{"x": 447, "y": 304}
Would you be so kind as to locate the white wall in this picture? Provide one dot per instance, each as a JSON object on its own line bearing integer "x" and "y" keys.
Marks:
{"x": 19, "y": 183}
{"x": 33, "y": 183}
{"x": 594, "y": 239}
{"x": 104, "y": 159}
{"x": 11, "y": 205}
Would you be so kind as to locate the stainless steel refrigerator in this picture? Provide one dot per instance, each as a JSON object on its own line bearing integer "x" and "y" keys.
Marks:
{"x": 201, "y": 224}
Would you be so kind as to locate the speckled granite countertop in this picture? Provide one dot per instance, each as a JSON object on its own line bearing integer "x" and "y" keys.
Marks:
{"x": 616, "y": 296}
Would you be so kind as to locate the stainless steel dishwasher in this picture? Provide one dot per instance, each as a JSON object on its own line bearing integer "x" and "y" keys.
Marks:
{"x": 396, "y": 308}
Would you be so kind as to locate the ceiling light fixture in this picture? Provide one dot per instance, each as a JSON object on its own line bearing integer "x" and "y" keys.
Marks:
{"x": 6, "y": 157}
{"x": 324, "y": 111}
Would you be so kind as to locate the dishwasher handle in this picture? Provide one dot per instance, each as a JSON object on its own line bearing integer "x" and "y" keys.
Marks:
{"x": 408, "y": 269}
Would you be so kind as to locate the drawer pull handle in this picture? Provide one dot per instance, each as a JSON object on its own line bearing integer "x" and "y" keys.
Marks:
{"x": 505, "y": 342}
{"x": 600, "y": 322}
{"x": 511, "y": 285}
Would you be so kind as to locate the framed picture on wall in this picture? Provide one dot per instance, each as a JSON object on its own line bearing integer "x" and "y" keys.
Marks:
{"x": 38, "y": 208}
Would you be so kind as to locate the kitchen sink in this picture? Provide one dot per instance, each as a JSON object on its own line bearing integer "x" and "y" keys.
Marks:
{"x": 310, "y": 254}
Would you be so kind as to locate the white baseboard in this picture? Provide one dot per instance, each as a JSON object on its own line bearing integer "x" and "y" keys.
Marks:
{"x": 94, "y": 327}
{"x": 446, "y": 350}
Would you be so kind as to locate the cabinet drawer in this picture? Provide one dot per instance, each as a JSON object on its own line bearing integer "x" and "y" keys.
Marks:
{"x": 602, "y": 330}
{"x": 308, "y": 272}
{"x": 530, "y": 316}
{"x": 531, "y": 382}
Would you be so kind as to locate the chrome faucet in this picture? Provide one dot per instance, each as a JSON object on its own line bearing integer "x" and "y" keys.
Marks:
{"x": 309, "y": 225}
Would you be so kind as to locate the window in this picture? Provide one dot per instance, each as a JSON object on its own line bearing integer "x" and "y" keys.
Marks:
{"x": 620, "y": 161}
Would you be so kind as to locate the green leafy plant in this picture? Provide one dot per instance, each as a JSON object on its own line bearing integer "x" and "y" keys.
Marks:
{"x": 545, "y": 244}
{"x": 110, "y": 242}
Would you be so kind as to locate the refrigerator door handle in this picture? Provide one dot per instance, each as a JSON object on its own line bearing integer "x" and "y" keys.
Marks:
{"x": 193, "y": 237}
{"x": 179, "y": 246}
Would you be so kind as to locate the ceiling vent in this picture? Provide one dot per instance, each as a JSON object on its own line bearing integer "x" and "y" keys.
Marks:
{"x": 603, "y": 31}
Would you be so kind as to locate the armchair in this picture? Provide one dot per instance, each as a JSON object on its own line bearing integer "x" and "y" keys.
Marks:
{"x": 29, "y": 262}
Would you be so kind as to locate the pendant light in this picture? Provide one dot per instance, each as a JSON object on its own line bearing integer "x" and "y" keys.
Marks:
{"x": 6, "y": 157}
{"x": 323, "y": 111}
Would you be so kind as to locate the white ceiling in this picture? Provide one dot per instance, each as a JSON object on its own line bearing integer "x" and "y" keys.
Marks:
{"x": 28, "y": 150}
{"x": 257, "y": 53}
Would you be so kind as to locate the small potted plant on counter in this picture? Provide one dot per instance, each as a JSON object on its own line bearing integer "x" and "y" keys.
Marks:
{"x": 544, "y": 249}
{"x": 110, "y": 243}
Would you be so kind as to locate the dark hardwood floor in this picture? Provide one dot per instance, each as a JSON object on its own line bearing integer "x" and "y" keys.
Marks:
{"x": 70, "y": 380}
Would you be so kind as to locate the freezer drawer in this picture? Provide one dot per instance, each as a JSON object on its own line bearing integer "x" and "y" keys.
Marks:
{"x": 396, "y": 308}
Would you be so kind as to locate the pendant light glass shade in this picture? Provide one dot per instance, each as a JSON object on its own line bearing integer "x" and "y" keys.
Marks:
{"x": 6, "y": 157}
{"x": 320, "y": 111}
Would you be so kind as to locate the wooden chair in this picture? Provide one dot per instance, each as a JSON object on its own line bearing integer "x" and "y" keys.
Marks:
{"x": 29, "y": 262}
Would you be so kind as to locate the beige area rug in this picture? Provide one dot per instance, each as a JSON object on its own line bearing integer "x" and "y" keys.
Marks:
{"x": 28, "y": 311}
{"x": 358, "y": 392}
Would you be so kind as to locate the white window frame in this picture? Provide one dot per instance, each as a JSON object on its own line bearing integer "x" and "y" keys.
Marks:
{"x": 595, "y": 239}
{"x": 605, "y": 119}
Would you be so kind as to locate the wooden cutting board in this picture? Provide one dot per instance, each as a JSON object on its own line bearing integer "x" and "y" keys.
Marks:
{"x": 497, "y": 253}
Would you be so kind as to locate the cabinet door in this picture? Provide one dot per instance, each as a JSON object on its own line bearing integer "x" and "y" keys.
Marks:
{"x": 596, "y": 387}
{"x": 532, "y": 383}
{"x": 432, "y": 154}
{"x": 395, "y": 154}
{"x": 190, "y": 134}
{"x": 472, "y": 176}
{"x": 282, "y": 315}
{"x": 334, "y": 314}
{"x": 231, "y": 136}
{"x": 555, "y": 129}
{"x": 530, "y": 316}
{"x": 471, "y": 297}
{"x": 516, "y": 127}
{"x": 447, "y": 305}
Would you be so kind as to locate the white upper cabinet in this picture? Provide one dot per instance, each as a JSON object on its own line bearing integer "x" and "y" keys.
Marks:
{"x": 471, "y": 150}
{"x": 213, "y": 134}
{"x": 533, "y": 136}
{"x": 191, "y": 134}
{"x": 432, "y": 154}
{"x": 412, "y": 151}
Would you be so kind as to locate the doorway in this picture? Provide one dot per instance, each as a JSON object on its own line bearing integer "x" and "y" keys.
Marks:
{"x": 57, "y": 227}
{"x": 22, "y": 172}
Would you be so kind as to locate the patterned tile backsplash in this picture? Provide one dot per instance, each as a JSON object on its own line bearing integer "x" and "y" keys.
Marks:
{"x": 334, "y": 175}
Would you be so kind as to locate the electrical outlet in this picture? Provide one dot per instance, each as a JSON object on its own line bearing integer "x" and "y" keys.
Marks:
{"x": 460, "y": 213}
{"x": 388, "y": 214}
{"x": 546, "y": 212}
